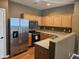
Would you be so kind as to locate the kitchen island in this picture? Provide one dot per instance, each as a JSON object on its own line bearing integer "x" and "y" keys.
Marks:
{"x": 60, "y": 47}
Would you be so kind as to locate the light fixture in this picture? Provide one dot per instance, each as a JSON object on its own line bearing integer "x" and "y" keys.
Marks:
{"x": 48, "y": 4}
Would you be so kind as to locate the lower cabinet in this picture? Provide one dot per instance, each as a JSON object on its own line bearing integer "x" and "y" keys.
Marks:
{"x": 41, "y": 53}
{"x": 30, "y": 39}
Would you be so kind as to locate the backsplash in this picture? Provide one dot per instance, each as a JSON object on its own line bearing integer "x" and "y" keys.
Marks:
{"x": 60, "y": 29}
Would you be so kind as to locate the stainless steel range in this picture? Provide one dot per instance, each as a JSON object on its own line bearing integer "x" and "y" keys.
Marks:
{"x": 19, "y": 29}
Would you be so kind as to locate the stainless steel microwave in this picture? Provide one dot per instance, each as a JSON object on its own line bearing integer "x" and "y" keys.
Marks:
{"x": 33, "y": 24}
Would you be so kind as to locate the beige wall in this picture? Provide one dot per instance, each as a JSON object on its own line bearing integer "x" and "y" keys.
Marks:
{"x": 16, "y": 9}
{"x": 68, "y": 9}
{"x": 75, "y": 23}
{"x": 4, "y": 4}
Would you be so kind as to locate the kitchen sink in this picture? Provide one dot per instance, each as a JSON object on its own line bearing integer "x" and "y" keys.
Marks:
{"x": 53, "y": 37}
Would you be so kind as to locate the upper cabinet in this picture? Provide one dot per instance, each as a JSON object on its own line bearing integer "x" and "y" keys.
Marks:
{"x": 26, "y": 16}
{"x": 39, "y": 18}
{"x": 46, "y": 23}
{"x": 57, "y": 21}
{"x": 43, "y": 21}
{"x": 33, "y": 18}
{"x": 67, "y": 21}
{"x": 30, "y": 17}
{"x": 51, "y": 20}
{"x": 47, "y": 20}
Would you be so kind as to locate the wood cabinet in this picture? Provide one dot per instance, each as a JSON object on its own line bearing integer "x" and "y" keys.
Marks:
{"x": 39, "y": 18}
{"x": 57, "y": 21}
{"x": 51, "y": 21}
{"x": 43, "y": 21}
{"x": 54, "y": 20}
{"x": 30, "y": 39}
{"x": 29, "y": 17}
{"x": 67, "y": 21}
{"x": 33, "y": 18}
{"x": 47, "y": 21}
{"x": 26, "y": 16}
{"x": 41, "y": 53}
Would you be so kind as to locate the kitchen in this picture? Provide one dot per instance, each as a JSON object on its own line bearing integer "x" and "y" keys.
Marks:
{"x": 56, "y": 21}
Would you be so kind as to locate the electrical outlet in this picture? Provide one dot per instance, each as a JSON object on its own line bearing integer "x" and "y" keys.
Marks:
{"x": 64, "y": 30}
{"x": 69, "y": 30}
{"x": 52, "y": 29}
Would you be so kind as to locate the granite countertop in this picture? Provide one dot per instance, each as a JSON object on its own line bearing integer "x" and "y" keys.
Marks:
{"x": 59, "y": 34}
{"x": 45, "y": 43}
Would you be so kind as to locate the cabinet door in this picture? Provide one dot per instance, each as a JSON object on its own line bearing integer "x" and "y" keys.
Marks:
{"x": 26, "y": 16}
{"x": 39, "y": 20}
{"x": 57, "y": 20}
{"x": 41, "y": 53}
{"x": 50, "y": 20}
{"x": 34, "y": 18}
{"x": 31, "y": 17}
{"x": 66, "y": 21}
{"x": 30, "y": 39}
{"x": 43, "y": 21}
{"x": 46, "y": 20}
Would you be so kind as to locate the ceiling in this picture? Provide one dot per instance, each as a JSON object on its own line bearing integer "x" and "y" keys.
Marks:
{"x": 44, "y": 4}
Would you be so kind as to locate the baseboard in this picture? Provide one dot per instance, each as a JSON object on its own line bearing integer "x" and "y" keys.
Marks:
{"x": 7, "y": 56}
{"x": 4, "y": 57}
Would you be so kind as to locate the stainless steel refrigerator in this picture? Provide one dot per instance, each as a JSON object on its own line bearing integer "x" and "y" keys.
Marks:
{"x": 19, "y": 29}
